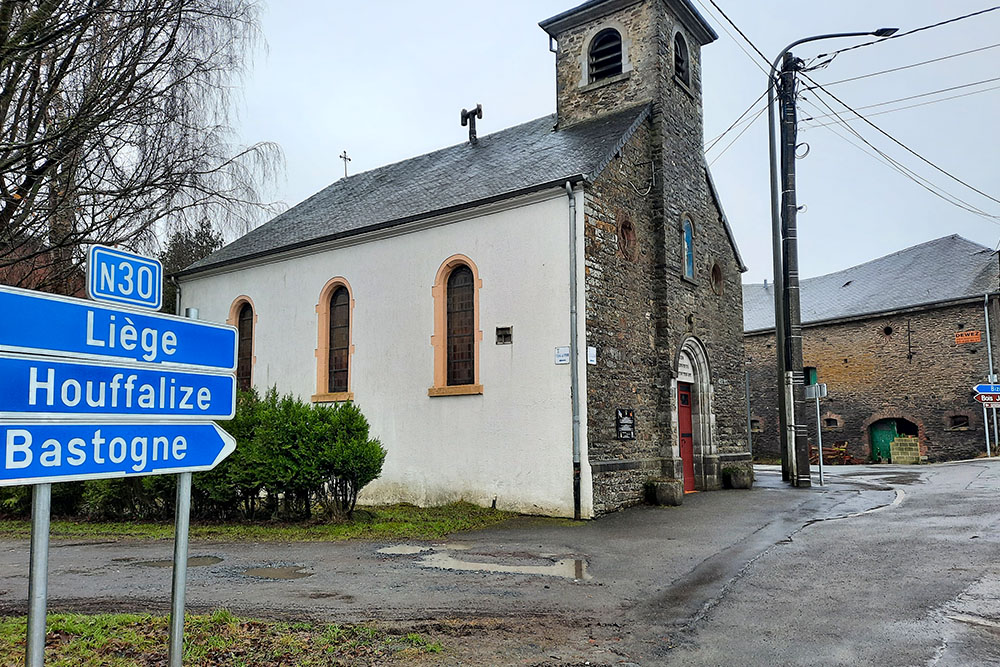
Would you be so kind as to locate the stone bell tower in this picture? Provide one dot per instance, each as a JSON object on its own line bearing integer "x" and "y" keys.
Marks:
{"x": 614, "y": 54}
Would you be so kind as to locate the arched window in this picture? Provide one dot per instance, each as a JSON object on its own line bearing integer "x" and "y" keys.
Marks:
{"x": 687, "y": 230}
{"x": 244, "y": 349}
{"x": 461, "y": 327}
{"x": 340, "y": 340}
{"x": 457, "y": 336}
{"x": 334, "y": 315}
{"x": 605, "y": 57}
{"x": 682, "y": 62}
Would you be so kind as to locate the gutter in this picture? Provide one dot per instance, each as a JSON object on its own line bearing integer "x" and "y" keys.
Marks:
{"x": 574, "y": 349}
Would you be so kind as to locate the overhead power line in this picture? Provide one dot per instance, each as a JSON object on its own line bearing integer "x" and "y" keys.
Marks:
{"x": 908, "y": 106}
{"x": 711, "y": 144}
{"x": 925, "y": 62}
{"x": 909, "y": 32}
{"x": 918, "y": 96}
{"x": 737, "y": 137}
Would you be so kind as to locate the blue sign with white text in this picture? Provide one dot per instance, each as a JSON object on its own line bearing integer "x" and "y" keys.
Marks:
{"x": 63, "y": 326}
{"x": 44, "y": 387}
{"x": 123, "y": 277}
{"x": 44, "y": 453}
{"x": 987, "y": 388}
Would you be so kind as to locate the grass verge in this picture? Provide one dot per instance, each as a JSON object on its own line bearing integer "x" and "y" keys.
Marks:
{"x": 388, "y": 522}
{"x": 127, "y": 640}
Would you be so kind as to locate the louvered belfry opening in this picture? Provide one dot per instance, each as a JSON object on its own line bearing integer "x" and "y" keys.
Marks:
{"x": 244, "y": 347}
{"x": 340, "y": 340}
{"x": 461, "y": 327}
{"x": 605, "y": 55}
{"x": 682, "y": 68}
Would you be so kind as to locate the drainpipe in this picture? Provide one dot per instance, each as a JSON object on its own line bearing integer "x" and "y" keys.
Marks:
{"x": 992, "y": 378}
{"x": 574, "y": 348}
{"x": 177, "y": 304}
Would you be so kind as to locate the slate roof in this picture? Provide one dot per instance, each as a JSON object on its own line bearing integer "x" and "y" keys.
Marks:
{"x": 518, "y": 160}
{"x": 946, "y": 269}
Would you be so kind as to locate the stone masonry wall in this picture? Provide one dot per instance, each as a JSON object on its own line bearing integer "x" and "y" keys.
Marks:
{"x": 897, "y": 366}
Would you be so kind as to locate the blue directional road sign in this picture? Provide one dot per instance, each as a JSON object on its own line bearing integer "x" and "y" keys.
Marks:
{"x": 63, "y": 326}
{"x": 123, "y": 277}
{"x": 44, "y": 453}
{"x": 987, "y": 388}
{"x": 59, "y": 389}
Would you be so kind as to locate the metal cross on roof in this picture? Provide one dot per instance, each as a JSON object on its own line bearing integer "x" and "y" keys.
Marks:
{"x": 469, "y": 118}
{"x": 343, "y": 156}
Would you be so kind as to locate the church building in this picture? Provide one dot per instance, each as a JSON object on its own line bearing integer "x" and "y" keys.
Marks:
{"x": 544, "y": 319}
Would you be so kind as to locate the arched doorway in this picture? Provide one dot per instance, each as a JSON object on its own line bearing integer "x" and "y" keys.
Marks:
{"x": 695, "y": 442}
{"x": 881, "y": 434}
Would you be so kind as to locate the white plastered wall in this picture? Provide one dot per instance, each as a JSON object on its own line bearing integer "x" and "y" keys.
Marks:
{"x": 512, "y": 443}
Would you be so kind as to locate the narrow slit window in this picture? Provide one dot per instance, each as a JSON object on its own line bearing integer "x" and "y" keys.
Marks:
{"x": 461, "y": 327}
{"x": 340, "y": 340}
{"x": 688, "y": 237}
{"x": 682, "y": 67}
{"x": 605, "y": 58}
{"x": 244, "y": 348}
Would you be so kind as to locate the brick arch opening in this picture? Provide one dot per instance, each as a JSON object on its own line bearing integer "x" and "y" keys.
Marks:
{"x": 910, "y": 423}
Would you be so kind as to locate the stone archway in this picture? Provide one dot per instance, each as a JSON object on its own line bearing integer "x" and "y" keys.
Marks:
{"x": 692, "y": 370}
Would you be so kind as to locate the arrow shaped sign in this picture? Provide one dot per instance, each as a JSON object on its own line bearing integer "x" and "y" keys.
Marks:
{"x": 67, "y": 452}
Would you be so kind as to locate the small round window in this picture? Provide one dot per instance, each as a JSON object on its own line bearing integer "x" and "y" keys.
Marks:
{"x": 717, "y": 278}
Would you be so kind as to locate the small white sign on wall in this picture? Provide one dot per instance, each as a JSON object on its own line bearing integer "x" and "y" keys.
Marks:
{"x": 562, "y": 355}
{"x": 591, "y": 355}
{"x": 685, "y": 371}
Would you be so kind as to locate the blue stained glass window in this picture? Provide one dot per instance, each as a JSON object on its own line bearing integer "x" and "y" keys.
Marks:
{"x": 688, "y": 249}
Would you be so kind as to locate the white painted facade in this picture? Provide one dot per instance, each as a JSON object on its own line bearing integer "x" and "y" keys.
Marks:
{"x": 512, "y": 443}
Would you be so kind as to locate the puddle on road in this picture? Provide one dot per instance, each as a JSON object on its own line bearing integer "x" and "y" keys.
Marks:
{"x": 402, "y": 550}
{"x": 569, "y": 568}
{"x": 193, "y": 561}
{"x": 287, "y": 572}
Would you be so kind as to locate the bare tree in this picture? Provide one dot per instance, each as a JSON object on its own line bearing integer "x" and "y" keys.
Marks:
{"x": 114, "y": 128}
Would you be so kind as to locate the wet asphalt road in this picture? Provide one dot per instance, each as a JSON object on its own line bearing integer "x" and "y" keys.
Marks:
{"x": 885, "y": 565}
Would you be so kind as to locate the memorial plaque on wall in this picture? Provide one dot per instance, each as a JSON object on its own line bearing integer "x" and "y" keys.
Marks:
{"x": 625, "y": 423}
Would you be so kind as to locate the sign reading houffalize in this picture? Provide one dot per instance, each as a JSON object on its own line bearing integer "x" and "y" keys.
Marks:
{"x": 63, "y": 326}
{"x": 45, "y": 387}
{"x": 37, "y": 453}
{"x": 625, "y": 423}
{"x": 123, "y": 277}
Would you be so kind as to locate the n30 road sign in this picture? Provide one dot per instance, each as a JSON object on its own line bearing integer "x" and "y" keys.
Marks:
{"x": 987, "y": 388}
{"x": 45, "y": 453}
{"x": 60, "y": 389}
{"x": 63, "y": 326}
{"x": 123, "y": 277}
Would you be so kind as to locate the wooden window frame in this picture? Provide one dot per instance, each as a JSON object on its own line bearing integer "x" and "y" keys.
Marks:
{"x": 234, "y": 320}
{"x": 323, "y": 394}
{"x": 439, "y": 340}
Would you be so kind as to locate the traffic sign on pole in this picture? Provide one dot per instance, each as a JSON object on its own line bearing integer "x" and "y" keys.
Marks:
{"x": 61, "y": 389}
{"x": 987, "y": 388}
{"x": 988, "y": 399}
{"x": 35, "y": 453}
{"x": 63, "y": 326}
{"x": 123, "y": 277}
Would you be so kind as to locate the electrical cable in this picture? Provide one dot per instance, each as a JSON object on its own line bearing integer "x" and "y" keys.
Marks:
{"x": 736, "y": 122}
{"x": 908, "y": 32}
{"x": 914, "y": 97}
{"x": 925, "y": 62}
{"x": 901, "y": 144}
{"x": 909, "y": 106}
{"x": 737, "y": 137}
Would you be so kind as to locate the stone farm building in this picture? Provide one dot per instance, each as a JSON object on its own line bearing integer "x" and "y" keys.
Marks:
{"x": 444, "y": 293}
{"x": 899, "y": 341}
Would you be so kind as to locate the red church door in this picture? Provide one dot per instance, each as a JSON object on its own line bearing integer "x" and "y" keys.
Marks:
{"x": 687, "y": 442}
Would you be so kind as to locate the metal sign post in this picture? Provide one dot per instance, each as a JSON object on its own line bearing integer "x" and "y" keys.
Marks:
{"x": 160, "y": 381}
{"x": 818, "y": 391}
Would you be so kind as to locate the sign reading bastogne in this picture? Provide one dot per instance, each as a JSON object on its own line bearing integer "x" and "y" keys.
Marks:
{"x": 89, "y": 391}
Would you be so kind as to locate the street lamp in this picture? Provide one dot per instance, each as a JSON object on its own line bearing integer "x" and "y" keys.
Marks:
{"x": 784, "y": 233}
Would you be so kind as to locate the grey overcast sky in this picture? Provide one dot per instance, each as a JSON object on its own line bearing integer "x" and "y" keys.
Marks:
{"x": 387, "y": 79}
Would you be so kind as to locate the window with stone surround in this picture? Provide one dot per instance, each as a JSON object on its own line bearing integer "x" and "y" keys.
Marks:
{"x": 687, "y": 239}
{"x": 457, "y": 336}
{"x": 243, "y": 316}
{"x": 682, "y": 60}
{"x": 605, "y": 57}
{"x": 957, "y": 422}
{"x": 334, "y": 315}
